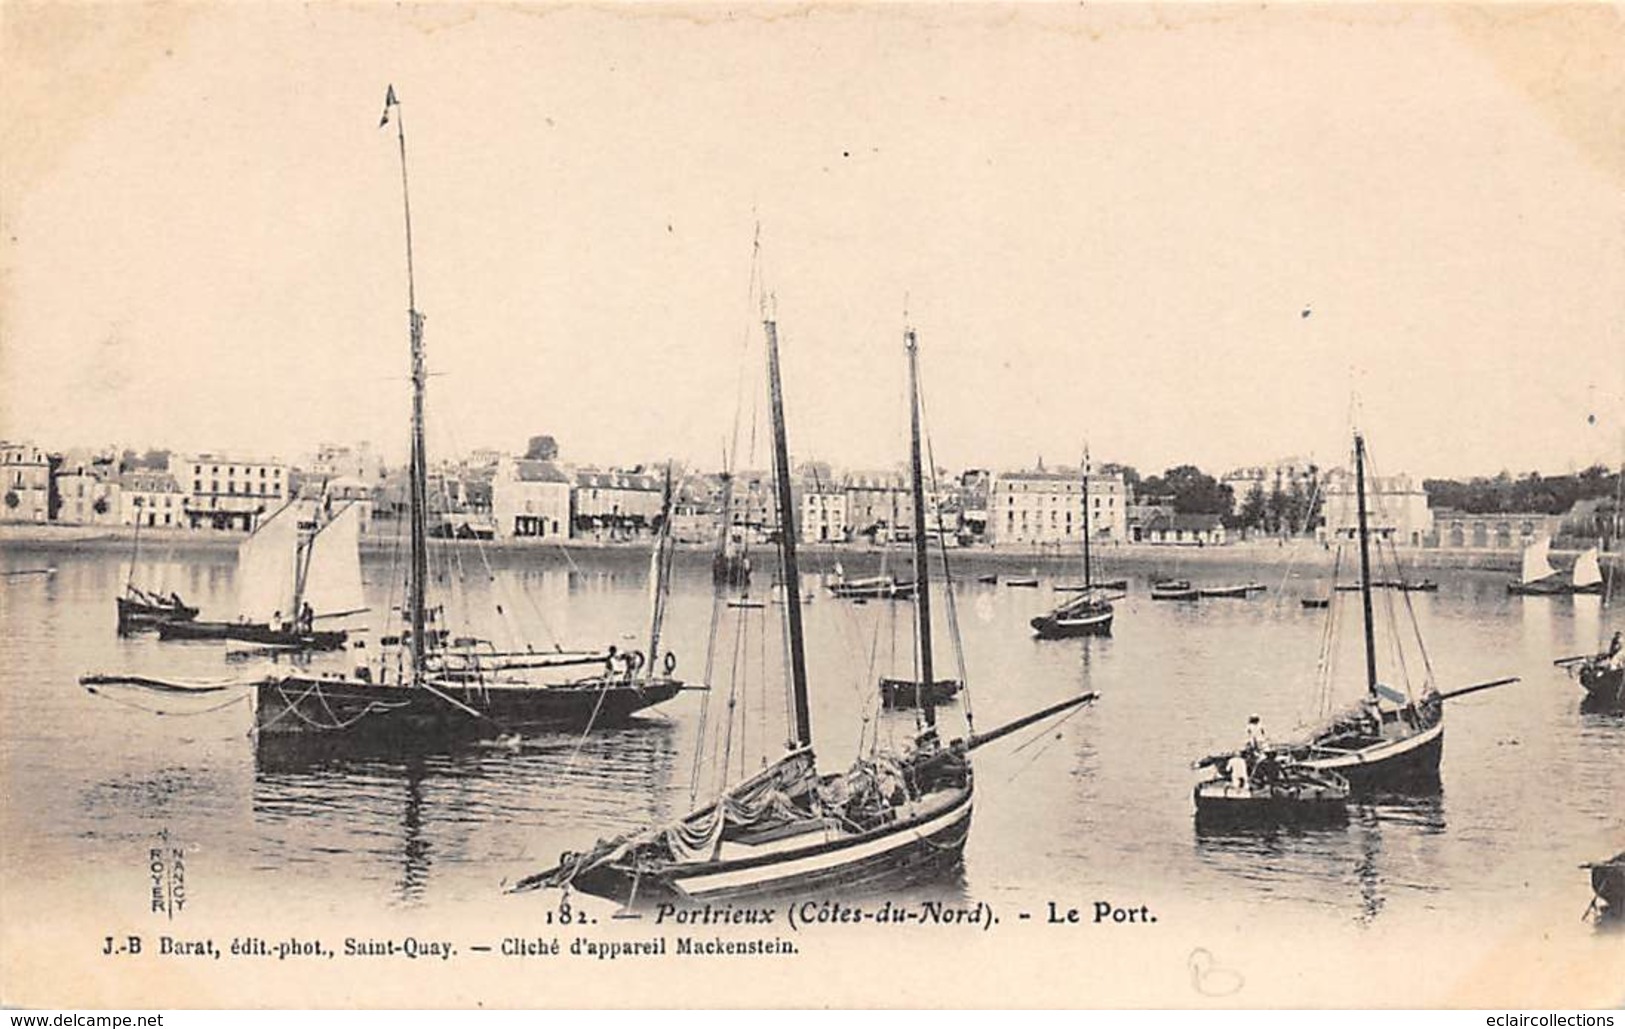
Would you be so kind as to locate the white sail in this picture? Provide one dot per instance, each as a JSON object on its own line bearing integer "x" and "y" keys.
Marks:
{"x": 333, "y": 576}
{"x": 1588, "y": 569}
{"x": 266, "y": 562}
{"x": 1537, "y": 563}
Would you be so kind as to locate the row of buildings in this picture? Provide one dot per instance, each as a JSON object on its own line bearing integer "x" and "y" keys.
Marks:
{"x": 494, "y": 495}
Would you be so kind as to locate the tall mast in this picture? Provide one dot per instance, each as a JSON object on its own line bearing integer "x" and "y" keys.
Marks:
{"x": 1088, "y": 577}
{"x": 1365, "y": 567}
{"x": 922, "y": 577}
{"x": 801, "y": 718}
{"x": 418, "y": 473}
{"x": 658, "y": 571}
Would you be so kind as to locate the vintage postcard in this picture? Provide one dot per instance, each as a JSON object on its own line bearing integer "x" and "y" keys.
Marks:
{"x": 816, "y": 505}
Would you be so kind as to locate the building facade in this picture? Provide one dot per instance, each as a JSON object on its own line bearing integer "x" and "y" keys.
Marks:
{"x": 152, "y": 499}
{"x": 615, "y": 504}
{"x": 1042, "y": 506}
{"x": 27, "y": 473}
{"x": 1396, "y": 508}
{"x": 1458, "y": 530}
{"x": 823, "y": 516}
{"x": 229, "y": 494}
{"x": 530, "y": 500}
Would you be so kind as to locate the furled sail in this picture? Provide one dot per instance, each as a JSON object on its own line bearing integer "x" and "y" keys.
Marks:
{"x": 333, "y": 577}
{"x": 266, "y": 564}
{"x": 1588, "y": 569}
{"x": 1537, "y": 563}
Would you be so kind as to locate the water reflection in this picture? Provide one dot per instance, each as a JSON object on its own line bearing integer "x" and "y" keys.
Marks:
{"x": 393, "y": 813}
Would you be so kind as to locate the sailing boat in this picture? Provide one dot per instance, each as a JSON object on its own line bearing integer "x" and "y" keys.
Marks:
{"x": 418, "y": 693}
{"x": 292, "y": 571}
{"x": 140, "y": 609}
{"x": 1089, "y": 614}
{"x": 1392, "y": 740}
{"x": 1539, "y": 578}
{"x": 788, "y": 829}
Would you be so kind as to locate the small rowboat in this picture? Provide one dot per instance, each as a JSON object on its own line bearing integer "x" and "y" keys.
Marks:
{"x": 1291, "y": 795}
{"x": 1240, "y": 591}
{"x": 1111, "y": 585}
{"x": 1608, "y": 883}
{"x": 1030, "y": 582}
{"x": 896, "y": 694}
{"x": 1173, "y": 589}
{"x": 1317, "y": 602}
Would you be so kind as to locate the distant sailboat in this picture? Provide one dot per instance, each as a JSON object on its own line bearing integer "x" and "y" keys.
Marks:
{"x": 1539, "y": 578}
{"x": 1089, "y": 614}
{"x": 292, "y": 572}
{"x": 140, "y": 609}
{"x": 1588, "y": 572}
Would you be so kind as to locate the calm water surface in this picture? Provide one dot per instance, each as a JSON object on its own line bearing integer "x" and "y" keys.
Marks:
{"x": 1096, "y": 807}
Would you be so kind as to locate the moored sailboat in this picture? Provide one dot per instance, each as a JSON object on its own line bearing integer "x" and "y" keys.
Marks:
{"x": 1089, "y": 614}
{"x": 1392, "y": 740}
{"x": 1538, "y": 578}
{"x": 294, "y": 570}
{"x": 789, "y": 830}
{"x": 140, "y": 609}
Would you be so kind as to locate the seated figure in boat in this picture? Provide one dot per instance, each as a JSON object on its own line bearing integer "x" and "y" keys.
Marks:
{"x": 1615, "y": 657}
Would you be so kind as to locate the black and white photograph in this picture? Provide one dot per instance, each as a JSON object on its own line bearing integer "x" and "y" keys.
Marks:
{"x": 928, "y": 505}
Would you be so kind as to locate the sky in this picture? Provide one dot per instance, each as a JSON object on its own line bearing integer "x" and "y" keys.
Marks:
{"x": 1214, "y": 235}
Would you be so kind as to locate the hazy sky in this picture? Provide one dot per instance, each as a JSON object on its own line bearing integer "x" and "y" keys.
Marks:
{"x": 1108, "y": 222}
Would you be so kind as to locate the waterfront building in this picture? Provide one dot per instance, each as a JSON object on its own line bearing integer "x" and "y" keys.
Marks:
{"x": 227, "y": 493}
{"x": 1396, "y": 507}
{"x": 152, "y": 498}
{"x": 1165, "y": 527}
{"x": 1507, "y": 530}
{"x": 356, "y": 462}
{"x": 530, "y": 499}
{"x": 1046, "y": 506}
{"x": 823, "y": 515}
{"x": 27, "y": 474}
{"x": 614, "y": 503}
{"x": 87, "y": 493}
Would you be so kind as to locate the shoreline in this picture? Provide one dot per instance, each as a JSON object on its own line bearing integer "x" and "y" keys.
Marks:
{"x": 1043, "y": 559}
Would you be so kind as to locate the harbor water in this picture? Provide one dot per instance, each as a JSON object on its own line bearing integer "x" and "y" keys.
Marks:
{"x": 1095, "y": 806}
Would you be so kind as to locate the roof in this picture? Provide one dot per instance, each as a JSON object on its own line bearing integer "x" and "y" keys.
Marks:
{"x": 1182, "y": 522}
{"x": 594, "y": 479}
{"x": 149, "y": 482}
{"x": 526, "y": 470}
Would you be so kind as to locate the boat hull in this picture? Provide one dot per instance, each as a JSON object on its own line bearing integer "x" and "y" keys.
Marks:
{"x": 134, "y": 615}
{"x": 1406, "y": 765}
{"x": 1173, "y": 593}
{"x": 872, "y": 590}
{"x": 1608, "y": 883}
{"x": 1604, "y": 686}
{"x": 898, "y": 694}
{"x": 1053, "y": 627}
{"x": 253, "y": 632}
{"x": 1547, "y": 588}
{"x": 1220, "y": 804}
{"x": 305, "y": 705}
{"x": 912, "y": 851}
{"x": 1236, "y": 592}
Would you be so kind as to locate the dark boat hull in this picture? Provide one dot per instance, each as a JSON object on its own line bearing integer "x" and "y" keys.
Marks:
{"x": 916, "y": 850}
{"x": 1222, "y": 806}
{"x": 873, "y": 591}
{"x": 1406, "y": 765}
{"x": 1316, "y": 603}
{"x": 1054, "y": 627}
{"x": 303, "y": 705}
{"x": 253, "y": 632}
{"x": 1172, "y": 593}
{"x": 1117, "y": 585}
{"x": 134, "y": 615}
{"x": 1604, "y": 686}
{"x": 1608, "y": 883}
{"x": 897, "y": 694}
{"x": 1547, "y": 588}
{"x": 1238, "y": 592}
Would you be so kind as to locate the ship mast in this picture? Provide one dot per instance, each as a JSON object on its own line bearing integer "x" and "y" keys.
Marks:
{"x": 922, "y": 578}
{"x": 1365, "y": 566}
{"x": 1088, "y": 576}
{"x": 800, "y": 717}
{"x": 418, "y": 473}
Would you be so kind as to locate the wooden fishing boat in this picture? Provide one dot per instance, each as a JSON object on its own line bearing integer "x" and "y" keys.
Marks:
{"x": 299, "y": 567}
{"x": 1173, "y": 589}
{"x": 1239, "y": 591}
{"x": 1023, "y": 582}
{"x": 140, "y": 609}
{"x": 1608, "y": 884}
{"x": 1315, "y": 603}
{"x": 1539, "y": 579}
{"x": 991, "y": 579}
{"x": 1392, "y": 740}
{"x": 423, "y": 688}
{"x": 789, "y": 830}
{"x": 1292, "y": 795}
{"x": 1109, "y": 585}
{"x": 1089, "y": 614}
{"x": 874, "y": 587}
{"x": 899, "y": 694}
